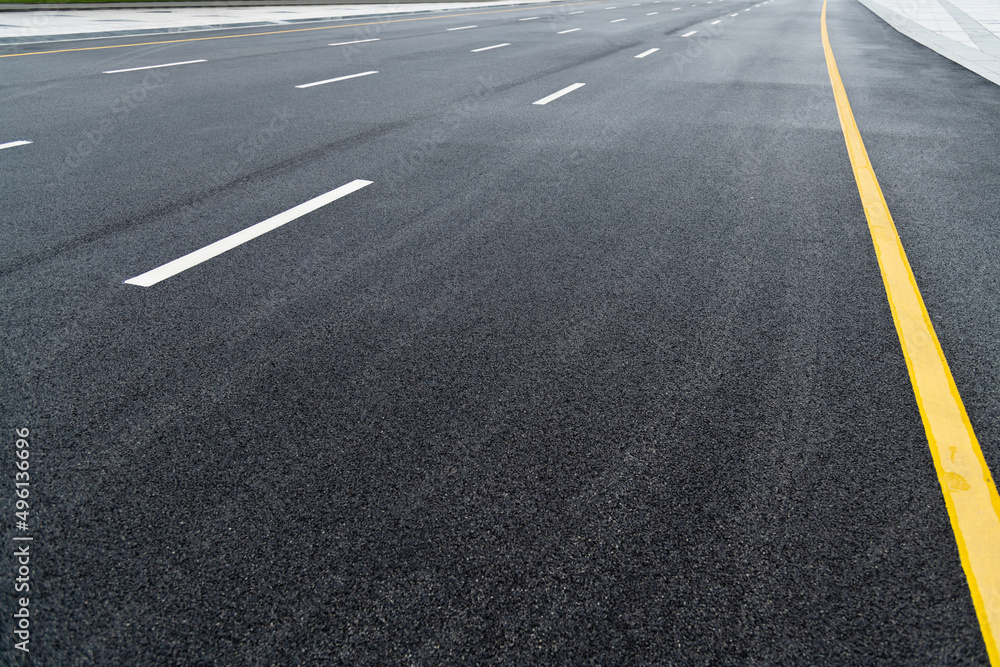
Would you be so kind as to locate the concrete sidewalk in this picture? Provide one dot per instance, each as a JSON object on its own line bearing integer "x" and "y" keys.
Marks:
{"x": 27, "y": 27}
{"x": 965, "y": 31}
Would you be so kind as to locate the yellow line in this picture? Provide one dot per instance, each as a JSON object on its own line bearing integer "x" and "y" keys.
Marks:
{"x": 969, "y": 491}
{"x": 282, "y": 32}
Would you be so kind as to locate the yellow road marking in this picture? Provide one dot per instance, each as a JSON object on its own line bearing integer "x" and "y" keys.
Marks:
{"x": 276, "y": 32}
{"x": 969, "y": 491}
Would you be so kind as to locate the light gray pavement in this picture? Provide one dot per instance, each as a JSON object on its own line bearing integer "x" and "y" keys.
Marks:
{"x": 52, "y": 24}
{"x": 965, "y": 31}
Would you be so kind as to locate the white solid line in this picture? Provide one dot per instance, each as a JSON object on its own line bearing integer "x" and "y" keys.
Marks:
{"x": 136, "y": 69}
{"x": 239, "y": 238}
{"x": 339, "y": 78}
{"x": 563, "y": 32}
{"x": 560, "y": 93}
{"x": 530, "y": 18}
{"x": 688, "y": 34}
{"x": 11, "y": 144}
{"x": 646, "y": 53}
{"x": 357, "y": 41}
{"x": 464, "y": 27}
{"x": 617, "y": 20}
{"x": 715, "y": 22}
{"x": 487, "y": 48}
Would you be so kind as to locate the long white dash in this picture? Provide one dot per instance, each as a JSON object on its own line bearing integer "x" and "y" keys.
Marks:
{"x": 339, "y": 78}
{"x": 136, "y": 69}
{"x": 715, "y": 22}
{"x": 688, "y": 34}
{"x": 563, "y": 32}
{"x": 559, "y": 93}
{"x": 11, "y": 144}
{"x": 618, "y": 20}
{"x": 357, "y": 41}
{"x": 652, "y": 13}
{"x": 487, "y": 48}
{"x": 464, "y": 27}
{"x": 239, "y": 238}
{"x": 576, "y": 12}
{"x": 646, "y": 53}
{"x": 530, "y": 18}
{"x": 734, "y": 15}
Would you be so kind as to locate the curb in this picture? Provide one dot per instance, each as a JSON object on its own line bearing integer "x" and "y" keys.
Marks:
{"x": 983, "y": 64}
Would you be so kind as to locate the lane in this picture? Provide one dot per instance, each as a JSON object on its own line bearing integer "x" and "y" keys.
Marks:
{"x": 89, "y": 145}
{"x": 611, "y": 381}
{"x": 968, "y": 487}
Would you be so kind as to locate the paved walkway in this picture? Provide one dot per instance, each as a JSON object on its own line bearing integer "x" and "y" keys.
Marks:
{"x": 966, "y": 31}
{"x": 22, "y": 27}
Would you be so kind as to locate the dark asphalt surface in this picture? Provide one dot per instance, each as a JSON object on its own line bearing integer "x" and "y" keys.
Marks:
{"x": 611, "y": 380}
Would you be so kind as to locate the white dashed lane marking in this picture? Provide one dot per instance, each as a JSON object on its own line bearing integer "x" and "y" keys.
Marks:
{"x": 559, "y": 93}
{"x": 339, "y": 78}
{"x": 136, "y": 69}
{"x": 487, "y": 48}
{"x": 239, "y": 238}
{"x": 357, "y": 41}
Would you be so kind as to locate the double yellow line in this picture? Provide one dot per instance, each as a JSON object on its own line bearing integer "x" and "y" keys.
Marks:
{"x": 969, "y": 491}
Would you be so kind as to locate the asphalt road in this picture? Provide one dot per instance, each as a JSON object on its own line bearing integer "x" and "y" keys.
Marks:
{"x": 608, "y": 380}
